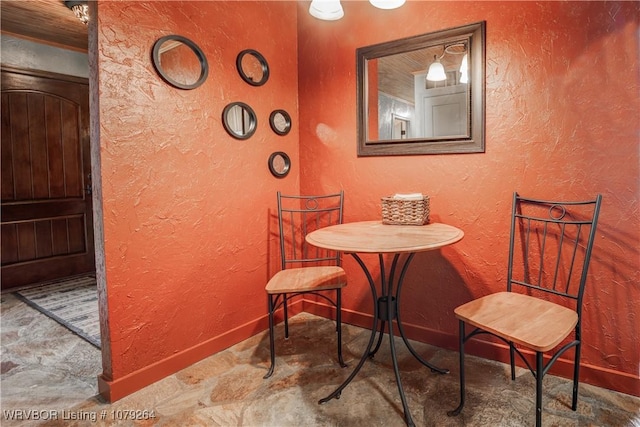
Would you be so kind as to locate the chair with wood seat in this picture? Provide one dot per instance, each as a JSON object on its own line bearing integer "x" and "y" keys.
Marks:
{"x": 540, "y": 312}
{"x": 306, "y": 269}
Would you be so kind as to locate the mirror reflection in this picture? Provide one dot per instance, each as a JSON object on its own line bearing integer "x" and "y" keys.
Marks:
{"x": 279, "y": 164}
{"x": 180, "y": 62}
{"x": 280, "y": 122}
{"x": 253, "y": 67}
{"x": 422, "y": 94}
{"x": 239, "y": 120}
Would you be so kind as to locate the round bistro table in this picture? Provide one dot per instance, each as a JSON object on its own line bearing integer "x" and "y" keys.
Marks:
{"x": 374, "y": 237}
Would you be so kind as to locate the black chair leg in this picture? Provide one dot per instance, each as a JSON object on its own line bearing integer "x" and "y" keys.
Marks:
{"x": 339, "y": 325}
{"x": 461, "y": 339}
{"x": 271, "y": 339}
{"x": 539, "y": 375}
{"x": 512, "y": 357}
{"x": 576, "y": 375}
{"x": 286, "y": 317}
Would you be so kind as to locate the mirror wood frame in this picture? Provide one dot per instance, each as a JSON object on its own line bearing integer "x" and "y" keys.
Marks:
{"x": 473, "y": 142}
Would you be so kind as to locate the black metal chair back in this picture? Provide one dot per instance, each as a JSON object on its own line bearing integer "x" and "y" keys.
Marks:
{"x": 299, "y": 216}
{"x": 550, "y": 246}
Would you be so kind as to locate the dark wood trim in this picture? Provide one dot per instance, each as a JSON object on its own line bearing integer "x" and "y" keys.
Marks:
{"x": 44, "y": 74}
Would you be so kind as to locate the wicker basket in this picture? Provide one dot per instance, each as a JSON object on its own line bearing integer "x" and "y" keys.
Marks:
{"x": 405, "y": 212}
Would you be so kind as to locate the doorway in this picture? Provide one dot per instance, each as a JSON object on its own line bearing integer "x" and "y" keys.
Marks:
{"x": 400, "y": 127}
{"x": 47, "y": 226}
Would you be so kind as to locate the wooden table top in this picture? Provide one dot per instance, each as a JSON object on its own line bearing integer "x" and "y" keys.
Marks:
{"x": 376, "y": 237}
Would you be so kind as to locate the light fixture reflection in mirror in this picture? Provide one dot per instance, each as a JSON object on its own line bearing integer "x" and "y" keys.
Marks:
{"x": 436, "y": 71}
{"x": 442, "y": 116}
{"x": 464, "y": 70}
{"x": 180, "y": 62}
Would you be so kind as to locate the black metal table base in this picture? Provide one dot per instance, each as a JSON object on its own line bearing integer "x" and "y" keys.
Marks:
{"x": 386, "y": 310}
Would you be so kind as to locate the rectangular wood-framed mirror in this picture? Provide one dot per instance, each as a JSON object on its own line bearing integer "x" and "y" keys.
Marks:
{"x": 444, "y": 113}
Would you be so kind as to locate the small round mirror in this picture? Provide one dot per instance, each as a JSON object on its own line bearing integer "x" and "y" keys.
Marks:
{"x": 239, "y": 120}
{"x": 280, "y": 122}
{"x": 279, "y": 164}
{"x": 253, "y": 68}
{"x": 180, "y": 62}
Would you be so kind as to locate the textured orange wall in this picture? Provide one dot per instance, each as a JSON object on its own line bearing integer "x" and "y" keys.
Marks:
{"x": 187, "y": 209}
{"x": 561, "y": 121}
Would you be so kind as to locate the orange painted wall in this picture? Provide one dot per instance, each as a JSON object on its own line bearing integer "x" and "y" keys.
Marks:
{"x": 561, "y": 121}
{"x": 187, "y": 209}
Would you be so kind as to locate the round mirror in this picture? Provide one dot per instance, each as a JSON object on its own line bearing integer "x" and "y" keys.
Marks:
{"x": 252, "y": 66}
{"x": 280, "y": 122}
{"x": 239, "y": 120}
{"x": 180, "y": 62}
{"x": 279, "y": 164}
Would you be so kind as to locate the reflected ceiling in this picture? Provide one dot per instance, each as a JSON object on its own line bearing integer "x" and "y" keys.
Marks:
{"x": 396, "y": 73}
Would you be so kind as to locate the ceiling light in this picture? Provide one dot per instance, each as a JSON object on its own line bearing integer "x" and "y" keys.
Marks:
{"x": 80, "y": 9}
{"x": 331, "y": 10}
{"x": 327, "y": 10}
{"x": 436, "y": 71}
{"x": 387, "y": 4}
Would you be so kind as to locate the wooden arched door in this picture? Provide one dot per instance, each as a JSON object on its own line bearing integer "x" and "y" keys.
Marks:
{"x": 47, "y": 227}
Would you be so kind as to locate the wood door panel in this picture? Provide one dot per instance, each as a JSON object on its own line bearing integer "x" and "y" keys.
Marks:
{"x": 34, "y": 240}
{"x": 42, "y": 161}
{"x": 55, "y": 148}
{"x": 44, "y": 240}
{"x": 37, "y": 145}
{"x": 9, "y": 243}
{"x": 47, "y": 229}
{"x": 26, "y": 241}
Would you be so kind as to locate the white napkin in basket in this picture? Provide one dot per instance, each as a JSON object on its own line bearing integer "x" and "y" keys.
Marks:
{"x": 408, "y": 196}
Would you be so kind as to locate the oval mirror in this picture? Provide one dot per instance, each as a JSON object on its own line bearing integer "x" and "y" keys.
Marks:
{"x": 253, "y": 68}
{"x": 280, "y": 122}
{"x": 180, "y": 62}
{"x": 422, "y": 94}
{"x": 279, "y": 164}
{"x": 239, "y": 120}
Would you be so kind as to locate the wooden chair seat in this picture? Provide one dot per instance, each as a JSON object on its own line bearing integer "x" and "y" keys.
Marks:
{"x": 532, "y": 322}
{"x": 307, "y": 279}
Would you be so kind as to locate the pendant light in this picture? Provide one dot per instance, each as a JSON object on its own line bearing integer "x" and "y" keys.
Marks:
{"x": 331, "y": 10}
{"x": 387, "y": 4}
{"x": 327, "y": 10}
{"x": 80, "y": 9}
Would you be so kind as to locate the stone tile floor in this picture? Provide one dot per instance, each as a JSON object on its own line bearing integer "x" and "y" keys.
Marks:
{"x": 47, "y": 368}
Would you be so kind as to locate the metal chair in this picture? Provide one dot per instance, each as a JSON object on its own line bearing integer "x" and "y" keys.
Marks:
{"x": 549, "y": 250}
{"x": 306, "y": 269}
